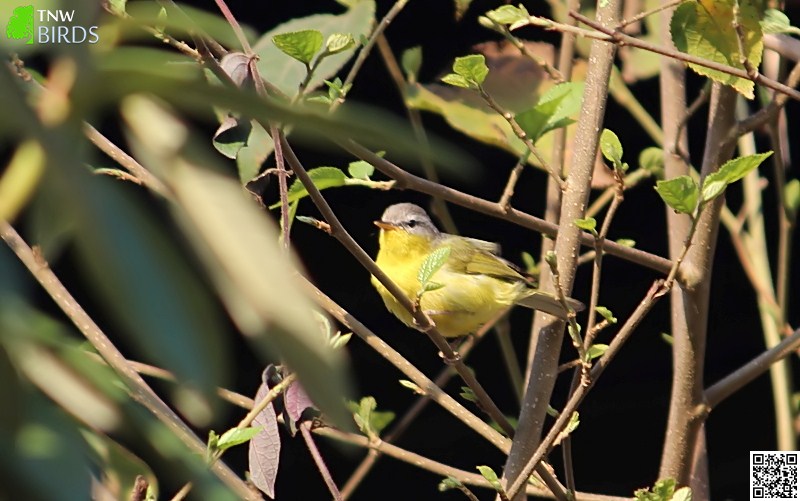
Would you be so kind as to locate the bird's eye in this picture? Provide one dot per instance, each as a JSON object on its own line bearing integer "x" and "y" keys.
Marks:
{"x": 412, "y": 223}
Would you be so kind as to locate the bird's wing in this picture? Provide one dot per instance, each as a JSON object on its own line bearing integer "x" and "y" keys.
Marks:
{"x": 476, "y": 257}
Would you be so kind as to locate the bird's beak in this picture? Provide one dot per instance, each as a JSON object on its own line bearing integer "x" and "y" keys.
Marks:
{"x": 385, "y": 226}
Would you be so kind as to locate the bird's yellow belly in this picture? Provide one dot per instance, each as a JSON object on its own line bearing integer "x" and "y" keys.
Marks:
{"x": 461, "y": 307}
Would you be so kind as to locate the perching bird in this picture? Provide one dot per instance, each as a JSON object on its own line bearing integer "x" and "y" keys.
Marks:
{"x": 476, "y": 283}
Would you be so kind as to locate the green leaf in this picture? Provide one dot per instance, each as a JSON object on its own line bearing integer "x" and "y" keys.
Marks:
{"x": 432, "y": 264}
{"x": 627, "y": 242}
{"x": 667, "y": 338}
{"x": 574, "y": 422}
{"x": 411, "y": 61}
{"x": 776, "y": 22}
{"x": 457, "y": 81}
{"x": 489, "y": 474}
{"x": 680, "y": 193}
{"x": 596, "y": 351}
{"x": 360, "y": 169}
{"x": 300, "y": 45}
{"x": 587, "y": 224}
{"x": 237, "y": 436}
{"x": 530, "y": 263}
{"x": 287, "y": 75}
{"x": 432, "y": 286}
{"x": 339, "y": 42}
{"x": 467, "y": 394}
{"x": 704, "y": 29}
{"x": 449, "y": 483}
{"x": 611, "y": 147}
{"x": 682, "y": 494}
{"x": 552, "y": 111}
{"x": 733, "y": 170}
{"x": 231, "y": 136}
{"x": 652, "y": 159}
{"x": 473, "y": 68}
{"x": 369, "y": 421}
{"x": 507, "y": 14}
{"x": 791, "y": 195}
{"x": 606, "y": 314}
{"x": 323, "y": 178}
{"x": 411, "y": 386}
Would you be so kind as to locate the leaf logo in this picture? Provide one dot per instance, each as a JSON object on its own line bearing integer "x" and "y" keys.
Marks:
{"x": 20, "y": 25}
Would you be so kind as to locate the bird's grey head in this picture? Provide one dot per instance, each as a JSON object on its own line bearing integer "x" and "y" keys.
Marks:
{"x": 407, "y": 217}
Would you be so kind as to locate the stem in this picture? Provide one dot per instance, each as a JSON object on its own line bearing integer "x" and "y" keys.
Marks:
{"x": 406, "y": 180}
{"x": 305, "y": 428}
{"x": 521, "y": 134}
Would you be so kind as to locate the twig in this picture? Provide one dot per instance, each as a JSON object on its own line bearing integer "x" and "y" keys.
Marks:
{"x": 630, "y": 180}
{"x": 639, "y": 17}
{"x": 617, "y": 37}
{"x": 271, "y": 395}
{"x": 700, "y": 101}
{"x": 410, "y": 181}
{"x": 365, "y": 51}
{"x": 733, "y": 382}
{"x": 521, "y": 135}
{"x": 438, "y": 468}
{"x": 508, "y": 191}
{"x": 321, "y": 466}
{"x": 237, "y": 29}
{"x": 554, "y": 73}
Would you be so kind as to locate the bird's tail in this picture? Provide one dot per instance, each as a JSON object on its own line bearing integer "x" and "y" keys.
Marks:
{"x": 542, "y": 301}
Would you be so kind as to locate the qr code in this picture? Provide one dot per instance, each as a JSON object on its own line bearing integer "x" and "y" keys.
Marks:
{"x": 773, "y": 475}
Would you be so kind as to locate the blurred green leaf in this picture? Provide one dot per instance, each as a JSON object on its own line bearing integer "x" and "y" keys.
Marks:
{"x": 449, "y": 483}
{"x": 20, "y": 179}
{"x": 237, "y": 436}
{"x": 507, "y": 14}
{"x": 596, "y": 351}
{"x": 606, "y": 314}
{"x": 652, "y": 159}
{"x": 360, "y": 169}
{"x": 792, "y": 197}
{"x": 231, "y": 136}
{"x": 411, "y": 60}
{"x": 323, "y": 178}
{"x": 118, "y": 465}
{"x": 776, "y": 21}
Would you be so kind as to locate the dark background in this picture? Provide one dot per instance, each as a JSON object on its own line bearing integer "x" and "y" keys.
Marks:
{"x": 617, "y": 447}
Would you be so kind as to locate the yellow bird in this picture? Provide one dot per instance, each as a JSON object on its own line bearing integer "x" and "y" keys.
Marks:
{"x": 476, "y": 283}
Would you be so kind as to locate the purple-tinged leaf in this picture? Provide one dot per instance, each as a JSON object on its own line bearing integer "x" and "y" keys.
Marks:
{"x": 296, "y": 401}
{"x": 264, "y": 450}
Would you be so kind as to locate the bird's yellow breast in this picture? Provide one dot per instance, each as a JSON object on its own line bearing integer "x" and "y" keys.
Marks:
{"x": 466, "y": 301}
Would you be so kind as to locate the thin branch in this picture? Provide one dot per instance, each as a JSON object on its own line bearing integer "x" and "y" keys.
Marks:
{"x": 377, "y": 33}
{"x": 610, "y": 35}
{"x": 237, "y": 29}
{"x": 521, "y": 135}
{"x": 640, "y": 16}
{"x": 737, "y": 380}
{"x": 508, "y": 191}
{"x": 305, "y": 428}
{"x": 409, "y": 181}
